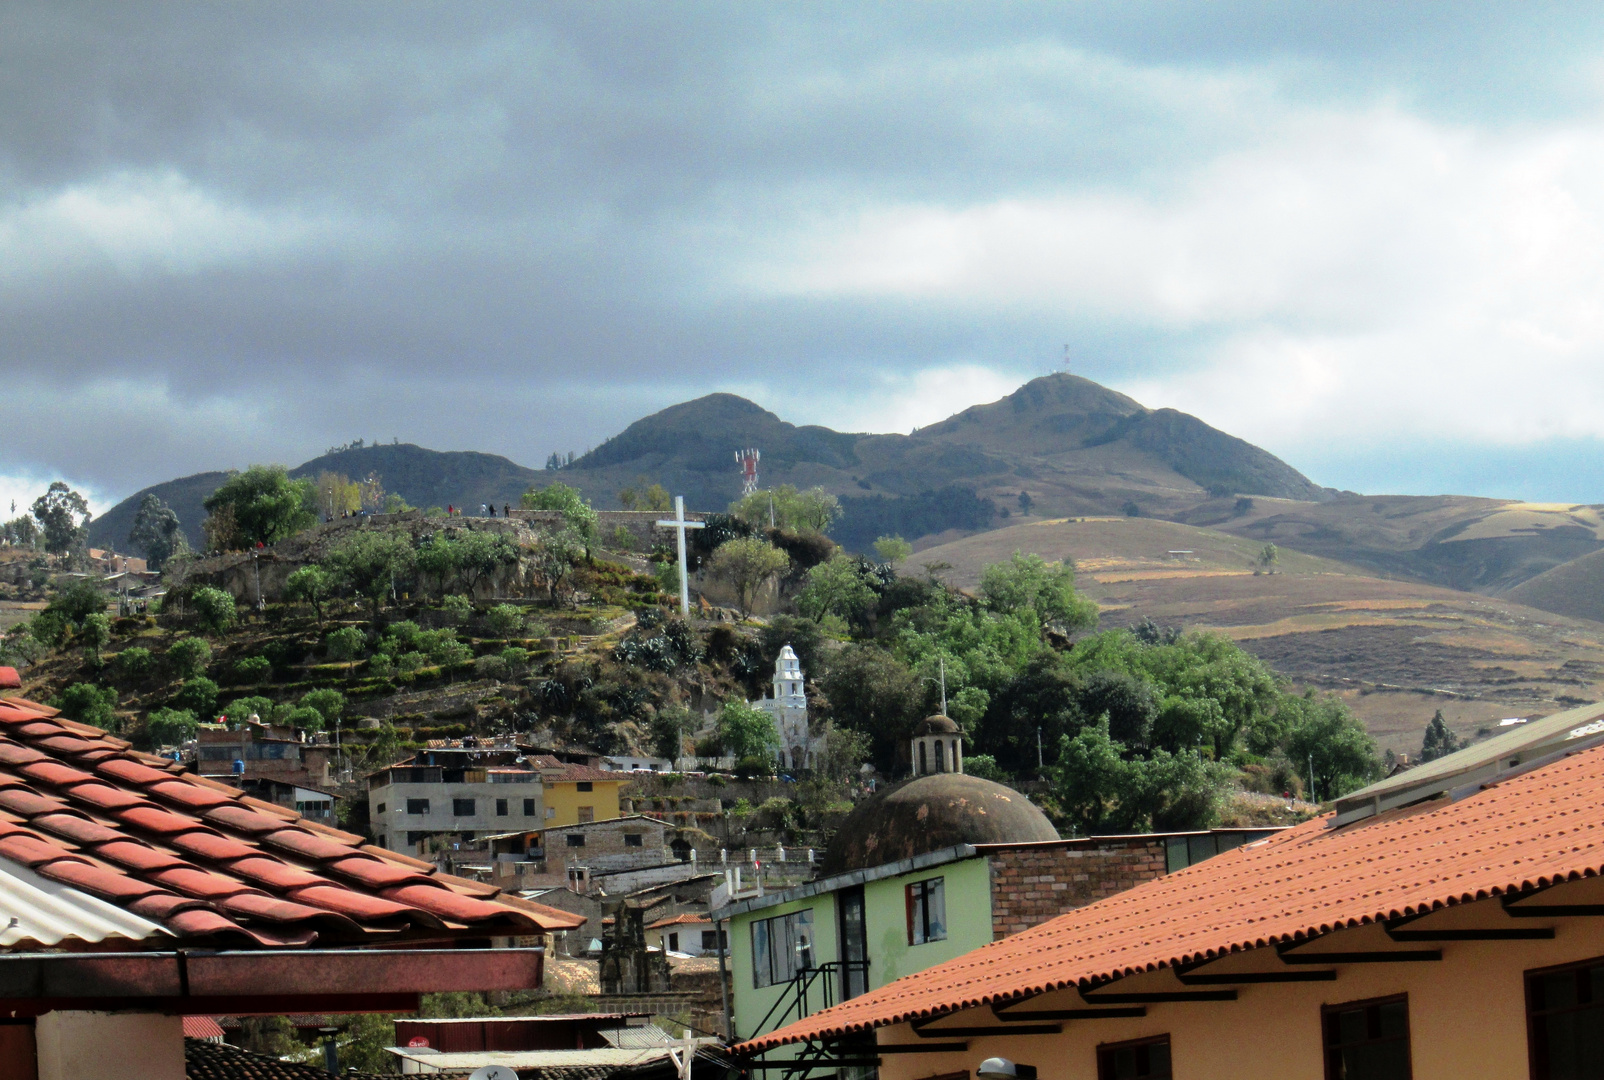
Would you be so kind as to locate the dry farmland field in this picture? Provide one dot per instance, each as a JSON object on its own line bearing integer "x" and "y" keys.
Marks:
{"x": 1395, "y": 650}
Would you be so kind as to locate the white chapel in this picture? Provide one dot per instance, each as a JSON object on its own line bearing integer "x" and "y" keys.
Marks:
{"x": 799, "y": 749}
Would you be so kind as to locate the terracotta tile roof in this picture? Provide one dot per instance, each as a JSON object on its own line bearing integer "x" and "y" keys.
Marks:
{"x": 1526, "y": 832}
{"x": 202, "y": 1027}
{"x": 9, "y": 679}
{"x": 571, "y": 773}
{"x": 220, "y": 1061}
{"x": 80, "y": 808}
{"x": 686, "y": 919}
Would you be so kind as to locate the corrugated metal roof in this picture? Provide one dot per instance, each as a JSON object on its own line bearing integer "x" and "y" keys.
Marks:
{"x": 528, "y": 1059}
{"x": 1523, "y": 833}
{"x": 37, "y": 911}
{"x": 637, "y": 1037}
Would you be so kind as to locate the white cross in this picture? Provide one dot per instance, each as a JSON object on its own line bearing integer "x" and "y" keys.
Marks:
{"x": 679, "y": 525}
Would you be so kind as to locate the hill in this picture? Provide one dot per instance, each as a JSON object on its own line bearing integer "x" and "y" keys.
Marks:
{"x": 423, "y": 477}
{"x": 1396, "y": 650}
{"x": 1575, "y": 588}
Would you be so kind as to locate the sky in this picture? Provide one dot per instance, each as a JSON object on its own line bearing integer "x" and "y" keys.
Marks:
{"x": 1364, "y": 236}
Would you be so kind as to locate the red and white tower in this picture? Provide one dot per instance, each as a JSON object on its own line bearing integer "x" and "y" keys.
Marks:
{"x": 747, "y": 460}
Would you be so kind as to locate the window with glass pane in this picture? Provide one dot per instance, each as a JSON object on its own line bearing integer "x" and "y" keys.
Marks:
{"x": 1368, "y": 1040}
{"x": 927, "y": 911}
{"x": 781, "y": 947}
{"x": 1139, "y": 1059}
{"x": 1565, "y": 1021}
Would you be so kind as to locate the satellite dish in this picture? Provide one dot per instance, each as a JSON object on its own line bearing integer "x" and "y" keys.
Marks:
{"x": 493, "y": 1072}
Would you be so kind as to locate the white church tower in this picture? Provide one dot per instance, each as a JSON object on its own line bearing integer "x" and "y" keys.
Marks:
{"x": 789, "y": 708}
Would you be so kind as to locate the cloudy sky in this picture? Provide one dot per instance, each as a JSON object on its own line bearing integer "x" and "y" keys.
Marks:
{"x": 1369, "y": 237}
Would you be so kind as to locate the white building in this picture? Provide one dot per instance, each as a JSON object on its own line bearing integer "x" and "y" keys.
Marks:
{"x": 799, "y": 748}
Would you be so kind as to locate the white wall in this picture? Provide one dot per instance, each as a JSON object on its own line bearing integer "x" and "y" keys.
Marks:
{"x": 110, "y": 1046}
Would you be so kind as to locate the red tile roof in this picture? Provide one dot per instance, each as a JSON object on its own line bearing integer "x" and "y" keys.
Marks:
{"x": 80, "y": 807}
{"x": 681, "y": 920}
{"x": 9, "y": 679}
{"x": 202, "y": 1027}
{"x": 571, "y": 773}
{"x": 1527, "y": 832}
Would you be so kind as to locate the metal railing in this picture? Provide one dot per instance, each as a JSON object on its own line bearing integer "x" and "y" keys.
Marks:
{"x": 810, "y": 985}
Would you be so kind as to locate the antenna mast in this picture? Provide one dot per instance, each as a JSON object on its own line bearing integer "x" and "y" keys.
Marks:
{"x": 747, "y": 459}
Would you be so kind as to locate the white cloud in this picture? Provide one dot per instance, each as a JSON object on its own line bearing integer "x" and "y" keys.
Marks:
{"x": 894, "y": 401}
{"x": 1360, "y": 274}
{"x": 18, "y": 491}
{"x": 141, "y": 222}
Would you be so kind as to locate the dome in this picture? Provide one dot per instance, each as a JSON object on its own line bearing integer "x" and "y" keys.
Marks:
{"x": 931, "y": 813}
{"x": 936, "y": 725}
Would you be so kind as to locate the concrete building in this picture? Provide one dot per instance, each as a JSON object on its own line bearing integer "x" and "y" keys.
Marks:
{"x": 464, "y": 794}
{"x": 267, "y": 750}
{"x": 689, "y": 932}
{"x": 1432, "y": 927}
{"x": 575, "y": 794}
{"x": 799, "y": 748}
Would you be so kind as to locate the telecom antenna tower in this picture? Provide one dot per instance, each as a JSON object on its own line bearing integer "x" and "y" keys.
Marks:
{"x": 747, "y": 460}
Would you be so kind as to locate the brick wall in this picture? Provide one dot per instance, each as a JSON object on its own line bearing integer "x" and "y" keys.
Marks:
{"x": 1031, "y": 884}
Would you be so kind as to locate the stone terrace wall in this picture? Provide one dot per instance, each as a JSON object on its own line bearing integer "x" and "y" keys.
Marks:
{"x": 1031, "y": 884}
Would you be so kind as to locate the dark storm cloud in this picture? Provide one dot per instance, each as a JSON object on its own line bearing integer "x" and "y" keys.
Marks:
{"x": 242, "y": 232}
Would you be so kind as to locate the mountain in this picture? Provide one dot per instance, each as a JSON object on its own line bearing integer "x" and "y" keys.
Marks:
{"x": 423, "y": 477}
{"x": 1060, "y": 445}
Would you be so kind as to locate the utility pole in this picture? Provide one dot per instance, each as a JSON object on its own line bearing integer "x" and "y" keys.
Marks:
{"x": 1039, "y": 765}
{"x": 943, "y": 660}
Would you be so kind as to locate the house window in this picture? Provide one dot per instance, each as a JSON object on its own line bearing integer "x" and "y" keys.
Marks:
{"x": 781, "y": 947}
{"x": 576, "y": 839}
{"x": 1367, "y": 1040}
{"x": 712, "y": 940}
{"x": 1140, "y": 1059}
{"x": 551, "y": 812}
{"x": 1565, "y": 1020}
{"x": 462, "y": 807}
{"x": 417, "y": 806}
{"x": 381, "y": 808}
{"x": 587, "y": 813}
{"x": 673, "y": 942}
{"x": 501, "y": 807}
{"x": 927, "y": 911}
{"x": 529, "y": 808}
{"x": 586, "y": 785}
{"x": 632, "y": 839}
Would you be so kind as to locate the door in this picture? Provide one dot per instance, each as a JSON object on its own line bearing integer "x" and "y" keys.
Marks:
{"x": 854, "y": 938}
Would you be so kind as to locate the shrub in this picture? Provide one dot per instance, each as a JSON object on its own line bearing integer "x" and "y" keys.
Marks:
{"x": 490, "y": 667}
{"x": 95, "y": 634}
{"x": 198, "y": 695}
{"x": 330, "y": 704}
{"x": 505, "y": 620}
{"x": 755, "y": 765}
{"x": 985, "y": 767}
{"x": 133, "y": 664}
{"x": 381, "y": 666}
{"x": 402, "y": 636}
{"x": 49, "y": 628}
{"x": 407, "y": 663}
{"x": 189, "y": 656}
{"x": 214, "y": 608}
{"x": 170, "y": 727}
{"x": 252, "y": 669}
{"x": 242, "y": 709}
{"x": 304, "y": 716}
{"x": 89, "y": 704}
{"x": 346, "y": 643}
{"x": 456, "y": 609}
{"x": 516, "y": 659}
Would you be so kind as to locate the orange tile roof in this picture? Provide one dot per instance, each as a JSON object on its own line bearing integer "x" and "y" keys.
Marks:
{"x": 80, "y": 807}
{"x": 1526, "y": 832}
{"x": 681, "y": 920}
{"x": 571, "y": 773}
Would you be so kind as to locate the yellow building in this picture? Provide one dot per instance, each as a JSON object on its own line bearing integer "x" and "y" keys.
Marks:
{"x": 1458, "y": 934}
{"x": 575, "y": 794}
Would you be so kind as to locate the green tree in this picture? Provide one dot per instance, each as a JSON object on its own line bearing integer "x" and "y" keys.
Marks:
{"x": 812, "y": 510}
{"x": 555, "y": 558}
{"x": 668, "y": 730}
{"x": 1440, "y": 741}
{"x": 1268, "y": 556}
{"x": 198, "y": 695}
{"x": 370, "y": 563}
{"x": 189, "y": 656}
{"x": 170, "y": 727}
{"x": 746, "y": 733}
{"x": 156, "y": 532}
{"x": 260, "y": 505}
{"x": 1328, "y": 746}
{"x": 871, "y": 691}
{"x": 330, "y": 704}
{"x": 21, "y": 532}
{"x": 577, "y": 513}
{"x": 346, "y": 644}
{"x": 747, "y": 563}
{"x": 214, "y": 609}
{"x": 63, "y": 515}
{"x": 89, "y": 704}
{"x": 1029, "y": 582}
{"x": 892, "y": 549}
{"x": 1100, "y": 789}
{"x": 242, "y": 709}
{"x": 643, "y": 495}
{"x": 305, "y": 717}
{"x": 95, "y": 635}
{"x": 838, "y": 586}
{"x": 312, "y": 585}
{"x": 78, "y": 601}
{"x": 483, "y": 554}
{"x": 133, "y": 664}
{"x": 505, "y": 620}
